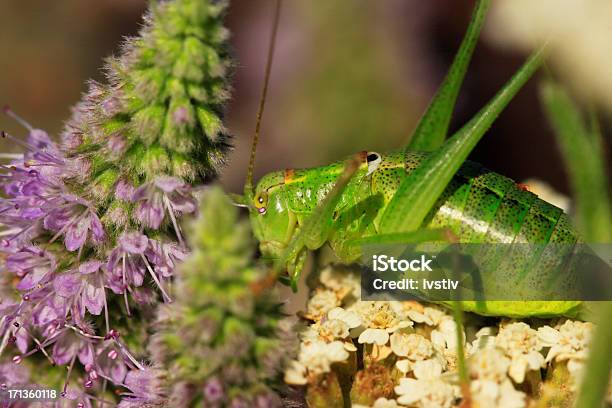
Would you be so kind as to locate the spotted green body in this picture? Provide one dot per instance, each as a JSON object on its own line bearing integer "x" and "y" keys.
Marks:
{"x": 478, "y": 205}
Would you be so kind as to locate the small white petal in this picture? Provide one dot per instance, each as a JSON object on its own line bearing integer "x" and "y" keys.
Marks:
{"x": 351, "y": 319}
{"x": 403, "y": 366}
{"x": 295, "y": 374}
{"x": 427, "y": 369}
{"x": 374, "y": 336}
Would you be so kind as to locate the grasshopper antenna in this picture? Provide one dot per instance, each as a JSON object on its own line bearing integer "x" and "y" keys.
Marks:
{"x": 248, "y": 187}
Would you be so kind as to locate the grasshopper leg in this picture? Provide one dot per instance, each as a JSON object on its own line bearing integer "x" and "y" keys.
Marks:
{"x": 316, "y": 229}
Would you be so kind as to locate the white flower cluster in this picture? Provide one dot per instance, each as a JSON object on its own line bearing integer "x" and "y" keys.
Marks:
{"x": 568, "y": 342}
{"x": 417, "y": 344}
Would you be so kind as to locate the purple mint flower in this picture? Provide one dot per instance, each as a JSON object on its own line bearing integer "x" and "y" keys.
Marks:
{"x": 164, "y": 256}
{"x": 36, "y": 192}
{"x": 146, "y": 388}
{"x": 15, "y": 334}
{"x": 124, "y": 191}
{"x": 213, "y": 390}
{"x": 39, "y": 205}
{"x": 83, "y": 288}
{"x": 116, "y": 144}
{"x": 31, "y": 264}
{"x": 68, "y": 345}
{"x": 111, "y": 106}
{"x": 129, "y": 262}
{"x": 11, "y": 374}
{"x": 47, "y": 307}
{"x": 125, "y": 263}
{"x": 76, "y": 219}
{"x": 110, "y": 362}
{"x": 78, "y": 396}
{"x": 164, "y": 195}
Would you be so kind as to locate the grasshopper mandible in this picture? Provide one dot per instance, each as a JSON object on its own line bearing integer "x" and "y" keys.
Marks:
{"x": 418, "y": 193}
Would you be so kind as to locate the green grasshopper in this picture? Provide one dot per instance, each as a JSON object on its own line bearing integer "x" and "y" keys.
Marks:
{"x": 420, "y": 193}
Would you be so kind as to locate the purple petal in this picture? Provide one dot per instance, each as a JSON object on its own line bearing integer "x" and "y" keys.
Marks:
{"x": 144, "y": 296}
{"x": 71, "y": 198}
{"x": 183, "y": 204}
{"x": 116, "y": 144}
{"x": 151, "y": 215}
{"x": 45, "y": 315}
{"x": 90, "y": 267}
{"x": 141, "y": 193}
{"x": 124, "y": 191}
{"x": 93, "y": 298}
{"x": 39, "y": 139}
{"x": 67, "y": 284}
{"x": 22, "y": 341}
{"x": 33, "y": 278}
{"x": 115, "y": 283}
{"x": 76, "y": 234}
{"x": 181, "y": 115}
{"x": 133, "y": 242}
{"x": 32, "y": 213}
{"x": 12, "y": 374}
{"x": 33, "y": 188}
{"x": 56, "y": 220}
{"x": 213, "y": 390}
{"x": 21, "y": 262}
{"x": 13, "y": 189}
{"x": 169, "y": 184}
{"x": 113, "y": 259}
{"x": 97, "y": 230}
{"x": 77, "y": 311}
{"x": 138, "y": 381}
{"x": 64, "y": 349}
{"x": 137, "y": 273}
{"x": 86, "y": 354}
{"x": 118, "y": 370}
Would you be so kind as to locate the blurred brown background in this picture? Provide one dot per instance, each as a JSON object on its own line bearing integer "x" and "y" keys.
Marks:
{"x": 349, "y": 75}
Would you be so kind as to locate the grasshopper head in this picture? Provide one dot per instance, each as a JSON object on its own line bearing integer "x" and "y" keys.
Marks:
{"x": 270, "y": 216}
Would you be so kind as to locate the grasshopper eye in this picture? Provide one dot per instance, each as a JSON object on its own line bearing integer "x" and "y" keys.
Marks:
{"x": 261, "y": 201}
{"x": 374, "y": 161}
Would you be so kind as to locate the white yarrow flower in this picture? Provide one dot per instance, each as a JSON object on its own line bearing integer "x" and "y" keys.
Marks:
{"x": 489, "y": 364}
{"x": 351, "y": 319}
{"x": 412, "y": 346}
{"x": 567, "y": 342}
{"x": 487, "y": 393}
{"x": 426, "y": 393}
{"x": 380, "y": 403}
{"x": 343, "y": 282}
{"x": 320, "y": 303}
{"x": 295, "y": 374}
{"x": 379, "y": 321}
{"x": 314, "y": 358}
{"x": 522, "y": 344}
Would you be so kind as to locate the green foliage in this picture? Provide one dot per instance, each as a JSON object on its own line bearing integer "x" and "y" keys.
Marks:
{"x": 433, "y": 125}
{"x": 583, "y": 152}
{"x": 582, "y": 148}
{"x": 222, "y": 329}
{"x": 597, "y": 369}
{"x": 418, "y": 192}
